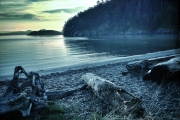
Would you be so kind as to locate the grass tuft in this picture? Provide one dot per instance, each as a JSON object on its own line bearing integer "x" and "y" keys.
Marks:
{"x": 53, "y": 111}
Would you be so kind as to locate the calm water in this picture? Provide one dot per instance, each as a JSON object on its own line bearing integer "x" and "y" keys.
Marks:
{"x": 43, "y": 53}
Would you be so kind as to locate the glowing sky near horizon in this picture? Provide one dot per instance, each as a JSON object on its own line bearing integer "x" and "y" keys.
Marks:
{"x": 21, "y": 15}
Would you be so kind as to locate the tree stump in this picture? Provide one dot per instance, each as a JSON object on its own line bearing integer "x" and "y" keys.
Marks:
{"x": 114, "y": 95}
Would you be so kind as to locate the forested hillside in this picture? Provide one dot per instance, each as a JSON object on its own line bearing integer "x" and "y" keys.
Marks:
{"x": 125, "y": 17}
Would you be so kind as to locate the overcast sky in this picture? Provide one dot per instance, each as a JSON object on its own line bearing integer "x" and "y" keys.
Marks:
{"x": 20, "y": 15}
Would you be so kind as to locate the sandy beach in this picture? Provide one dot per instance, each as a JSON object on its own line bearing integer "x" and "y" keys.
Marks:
{"x": 159, "y": 101}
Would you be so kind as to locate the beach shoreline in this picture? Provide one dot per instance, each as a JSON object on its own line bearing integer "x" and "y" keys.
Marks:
{"x": 156, "y": 99}
{"x": 174, "y": 52}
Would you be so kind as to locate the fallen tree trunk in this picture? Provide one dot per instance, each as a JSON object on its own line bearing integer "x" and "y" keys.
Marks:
{"x": 165, "y": 71}
{"x": 114, "y": 95}
{"x": 146, "y": 64}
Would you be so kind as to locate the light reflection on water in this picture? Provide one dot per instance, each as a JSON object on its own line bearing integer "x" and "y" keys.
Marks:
{"x": 42, "y": 53}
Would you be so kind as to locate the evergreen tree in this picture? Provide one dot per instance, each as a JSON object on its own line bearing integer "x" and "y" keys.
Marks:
{"x": 118, "y": 16}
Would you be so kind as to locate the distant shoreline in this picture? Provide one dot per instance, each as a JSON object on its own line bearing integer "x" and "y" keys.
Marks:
{"x": 89, "y": 34}
{"x": 129, "y": 32}
{"x": 15, "y": 33}
{"x": 42, "y": 32}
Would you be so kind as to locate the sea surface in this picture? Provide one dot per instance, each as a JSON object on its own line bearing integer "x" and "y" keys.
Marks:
{"x": 51, "y": 52}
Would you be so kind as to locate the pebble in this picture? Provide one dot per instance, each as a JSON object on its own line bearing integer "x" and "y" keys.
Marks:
{"x": 156, "y": 100}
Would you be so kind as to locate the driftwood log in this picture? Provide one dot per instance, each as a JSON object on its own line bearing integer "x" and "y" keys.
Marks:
{"x": 114, "y": 95}
{"x": 165, "y": 71}
{"x": 64, "y": 93}
{"x": 143, "y": 65}
{"x": 157, "y": 69}
{"x": 23, "y": 96}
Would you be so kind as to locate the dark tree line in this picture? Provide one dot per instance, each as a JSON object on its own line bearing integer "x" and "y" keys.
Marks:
{"x": 121, "y": 16}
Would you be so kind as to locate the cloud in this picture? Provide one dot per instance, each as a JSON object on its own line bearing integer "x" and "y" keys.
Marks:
{"x": 42, "y": 12}
{"x": 15, "y": 16}
{"x": 38, "y": 0}
{"x": 70, "y": 10}
{"x": 12, "y": 7}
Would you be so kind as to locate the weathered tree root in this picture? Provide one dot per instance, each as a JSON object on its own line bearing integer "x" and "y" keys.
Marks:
{"x": 23, "y": 97}
{"x": 24, "y": 94}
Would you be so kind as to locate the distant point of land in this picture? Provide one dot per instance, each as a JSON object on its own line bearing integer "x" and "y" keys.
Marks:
{"x": 15, "y": 33}
{"x": 44, "y": 32}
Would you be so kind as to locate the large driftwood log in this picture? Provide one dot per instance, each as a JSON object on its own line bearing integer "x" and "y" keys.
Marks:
{"x": 23, "y": 96}
{"x": 142, "y": 65}
{"x": 165, "y": 71}
{"x": 113, "y": 94}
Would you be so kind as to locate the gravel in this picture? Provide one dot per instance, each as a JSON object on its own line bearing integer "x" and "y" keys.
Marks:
{"x": 160, "y": 101}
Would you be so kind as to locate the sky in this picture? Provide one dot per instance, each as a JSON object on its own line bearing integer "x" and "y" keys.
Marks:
{"x": 22, "y": 15}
